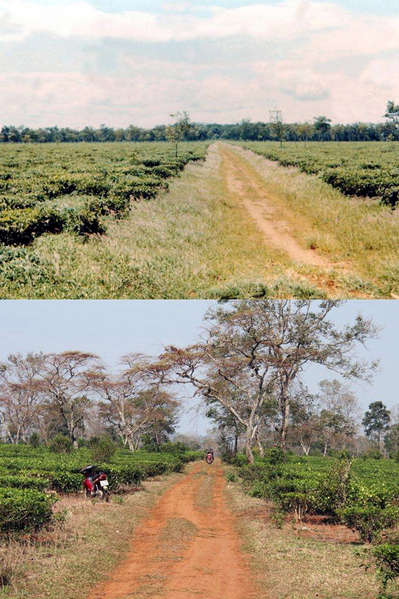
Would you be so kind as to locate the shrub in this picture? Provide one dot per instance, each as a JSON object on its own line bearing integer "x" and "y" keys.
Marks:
{"x": 66, "y": 482}
{"x": 61, "y": 444}
{"x": 101, "y": 449}
{"x": 34, "y": 440}
{"x": 369, "y": 521}
{"x": 22, "y": 226}
{"x": 386, "y": 557}
{"x": 24, "y": 482}
{"x": 275, "y": 456}
{"x": 24, "y": 509}
{"x": 19, "y": 264}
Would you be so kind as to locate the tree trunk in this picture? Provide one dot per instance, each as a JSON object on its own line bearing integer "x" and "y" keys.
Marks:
{"x": 235, "y": 449}
{"x": 285, "y": 414}
{"x": 260, "y": 446}
{"x": 325, "y": 447}
{"x": 248, "y": 448}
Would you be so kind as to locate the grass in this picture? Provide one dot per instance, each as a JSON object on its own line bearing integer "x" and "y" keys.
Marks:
{"x": 286, "y": 565}
{"x": 193, "y": 242}
{"x": 205, "y": 491}
{"x": 198, "y": 241}
{"x": 73, "y": 556}
{"x": 360, "y": 234}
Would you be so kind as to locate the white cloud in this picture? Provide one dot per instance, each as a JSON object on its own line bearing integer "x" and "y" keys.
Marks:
{"x": 285, "y": 20}
{"x": 308, "y": 37}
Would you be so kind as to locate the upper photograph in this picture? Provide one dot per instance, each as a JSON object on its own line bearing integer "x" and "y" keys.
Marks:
{"x": 214, "y": 149}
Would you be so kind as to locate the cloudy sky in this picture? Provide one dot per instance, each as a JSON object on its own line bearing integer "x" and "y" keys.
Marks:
{"x": 76, "y": 63}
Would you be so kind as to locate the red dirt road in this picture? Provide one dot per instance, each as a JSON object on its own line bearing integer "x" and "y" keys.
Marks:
{"x": 186, "y": 549}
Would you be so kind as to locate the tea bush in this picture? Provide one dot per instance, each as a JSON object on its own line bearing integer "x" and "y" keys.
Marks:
{"x": 26, "y": 468}
{"x": 24, "y": 509}
{"x": 357, "y": 169}
{"x": 56, "y": 188}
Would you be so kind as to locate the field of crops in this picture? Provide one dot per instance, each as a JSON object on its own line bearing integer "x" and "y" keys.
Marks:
{"x": 30, "y": 476}
{"x": 357, "y": 169}
{"x": 363, "y": 493}
{"x": 53, "y": 188}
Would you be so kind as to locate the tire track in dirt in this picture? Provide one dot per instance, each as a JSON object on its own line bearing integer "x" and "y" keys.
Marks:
{"x": 186, "y": 549}
{"x": 240, "y": 181}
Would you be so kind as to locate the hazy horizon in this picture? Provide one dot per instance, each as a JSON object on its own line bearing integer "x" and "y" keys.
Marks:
{"x": 117, "y": 62}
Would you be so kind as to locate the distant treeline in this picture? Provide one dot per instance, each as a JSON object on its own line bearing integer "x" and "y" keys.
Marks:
{"x": 245, "y": 130}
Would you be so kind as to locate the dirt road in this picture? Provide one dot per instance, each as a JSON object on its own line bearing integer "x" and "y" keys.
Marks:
{"x": 187, "y": 549}
{"x": 241, "y": 182}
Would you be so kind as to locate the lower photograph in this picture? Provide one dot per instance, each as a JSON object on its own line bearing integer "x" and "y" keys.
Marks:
{"x": 244, "y": 449}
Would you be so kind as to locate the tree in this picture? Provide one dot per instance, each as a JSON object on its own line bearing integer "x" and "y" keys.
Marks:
{"x": 376, "y": 422}
{"x": 305, "y": 131}
{"x": 392, "y": 116}
{"x": 392, "y": 440}
{"x": 20, "y": 396}
{"x": 255, "y": 351}
{"x": 339, "y": 417}
{"x": 134, "y": 401}
{"x": 179, "y": 130}
{"x": 277, "y": 123}
{"x": 65, "y": 381}
{"x": 322, "y": 125}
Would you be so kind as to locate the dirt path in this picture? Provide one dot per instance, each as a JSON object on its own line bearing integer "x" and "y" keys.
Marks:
{"x": 241, "y": 182}
{"x": 187, "y": 549}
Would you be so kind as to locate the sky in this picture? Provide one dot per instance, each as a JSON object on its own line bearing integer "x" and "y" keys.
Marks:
{"x": 121, "y": 62}
{"x": 112, "y": 329}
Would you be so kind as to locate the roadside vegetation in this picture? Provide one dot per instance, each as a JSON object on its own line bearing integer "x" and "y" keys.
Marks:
{"x": 359, "y": 236}
{"x": 84, "y": 542}
{"x": 299, "y": 560}
{"x": 368, "y": 170}
{"x": 361, "y": 494}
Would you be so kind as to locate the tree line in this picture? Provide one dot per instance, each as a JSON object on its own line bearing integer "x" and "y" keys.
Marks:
{"x": 246, "y": 370}
{"x": 275, "y": 130}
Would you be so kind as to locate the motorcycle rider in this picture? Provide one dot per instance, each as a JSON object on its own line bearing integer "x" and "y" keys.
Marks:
{"x": 210, "y": 452}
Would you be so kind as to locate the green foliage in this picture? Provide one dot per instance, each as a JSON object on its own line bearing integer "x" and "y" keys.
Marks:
{"x": 17, "y": 264}
{"x": 356, "y": 169}
{"x": 34, "y": 440}
{"x": 70, "y": 188}
{"x": 275, "y": 456}
{"x": 24, "y": 509}
{"x": 369, "y": 521}
{"x": 386, "y": 557}
{"x": 231, "y": 477}
{"x": 102, "y": 449}
{"x": 24, "y": 468}
{"x": 362, "y": 493}
{"x": 61, "y": 444}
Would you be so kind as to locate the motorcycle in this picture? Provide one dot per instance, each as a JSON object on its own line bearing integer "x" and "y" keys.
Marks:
{"x": 209, "y": 458}
{"x": 95, "y": 485}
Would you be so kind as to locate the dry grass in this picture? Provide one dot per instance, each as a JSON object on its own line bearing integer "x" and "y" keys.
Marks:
{"x": 79, "y": 553}
{"x": 360, "y": 234}
{"x": 192, "y": 242}
{"x": 287, "y": 566}
{"x": 205, "y": 491}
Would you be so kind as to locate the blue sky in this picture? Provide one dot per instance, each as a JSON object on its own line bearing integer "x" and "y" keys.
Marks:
{"x": 114, "y": 328}
{"x": 121, "y": 62}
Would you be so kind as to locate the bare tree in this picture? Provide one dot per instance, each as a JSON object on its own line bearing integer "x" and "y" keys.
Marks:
{"x": 134, "y": 401}
{"x": 20, "y": 395}
{"x": 257, "y": 349}
{"x": 66, "y": 384}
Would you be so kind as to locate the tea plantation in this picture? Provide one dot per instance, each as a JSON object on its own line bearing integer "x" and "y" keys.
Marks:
{"x": 368, "y": 169}
{"x": 28, "y": 475}
{"x": 361, "y": 493}
{"x": 53, "y": 188}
